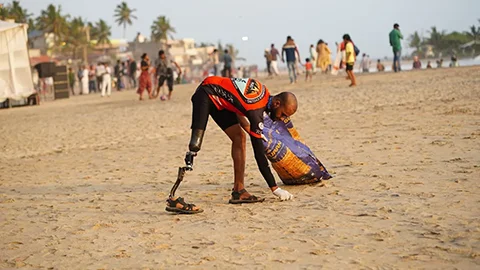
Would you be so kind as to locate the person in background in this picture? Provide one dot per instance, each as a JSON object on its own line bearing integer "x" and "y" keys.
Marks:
{"x": 107, "y": 80}
{"x": 133, "y": 72}
{"x": 416, "y": 63}
{"x": 145, "y": 81}
{"x": 454, "y": 62}
{"x": 99, "y": 72}
{"x": 365, "y": 63}
{"x": 323, "y": 59}
{"x": 308, "y": 70}
{"x": 91, "y": 80}
{"x": 84, "y": 80}
{"x": 117, "y": 70}
{"x": 71, "y": 80}
{"x": 429, "y": 64}
{"x": 395, "y": 37}
{"x": 291, "y": 51}
{"x": 164, "y": 72}
{"x": 274, "y": 65}
{"x": 268, "y": 58}
{"x": 380, "y": 66}
{"x": 313, "y": 57}
{"x": 349, "y": 59}
{"x": 227, "y": 64}
{"x": 439, "y": 63}
{"x": 216, "y": 62}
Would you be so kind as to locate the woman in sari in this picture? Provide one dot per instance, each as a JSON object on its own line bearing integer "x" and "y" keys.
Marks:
{"x": 145, "y": 82}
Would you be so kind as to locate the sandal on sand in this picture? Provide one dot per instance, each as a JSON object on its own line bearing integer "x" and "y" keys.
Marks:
{"x": 236, "y": 198}
{"x": 187, "y": 208}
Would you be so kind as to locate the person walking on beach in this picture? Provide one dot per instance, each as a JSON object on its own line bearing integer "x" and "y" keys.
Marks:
{"x": 71, "y": 80}
{"x": 395, "y": 41}
{"x": 268, "y": 59}
{"x": 349, "y": 59}
{"x": 133, "y": 72}
{"x": 308, "y": 70}
{"x": 216, "y": 62}
{"x": 237, "y": 106}
{"x": 84, "y": 80}
{"x": 291, "y": 51}
{"x": 323, "y": 59}
{"x": 107, "y": 81}
{"x": 365, "y": 63}
{"x": 145, "y": 81}
{"x": 164, "y": 72}
{"x": 313, "y": 57}
{"x": 227, "y": 64}
{"x": 275, "y": 54}
{"x": 91, "y": 80}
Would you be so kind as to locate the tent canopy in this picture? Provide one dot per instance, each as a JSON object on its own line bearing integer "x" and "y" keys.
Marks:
{"x": 15, "y": 72}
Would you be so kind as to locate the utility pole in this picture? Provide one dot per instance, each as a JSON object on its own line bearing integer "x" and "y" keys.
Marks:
{"x": 85, "y": 56}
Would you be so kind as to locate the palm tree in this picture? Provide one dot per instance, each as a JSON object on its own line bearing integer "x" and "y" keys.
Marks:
{"x": 474, "y": 33}
{"x": 124, "y": 16}
{"x": 415, "y": 42}
{"x": 19, "y": 14}
{"x": 52, "y": 21}
{"x": 76, "y": 37}
{"x": 101, "y": 32}
{"x": 436, "y": 38}
{"x": 161, "y": 29}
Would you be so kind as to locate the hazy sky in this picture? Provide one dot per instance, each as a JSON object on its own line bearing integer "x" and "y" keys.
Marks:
{"x": 266, "y": 21}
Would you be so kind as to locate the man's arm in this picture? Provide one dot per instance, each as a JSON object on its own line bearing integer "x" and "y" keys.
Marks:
{"x": 283, "y": 50}
{"x": 262, "y": 162}
{"x": 298, "y": 53}
{"x": 178, "y": 68}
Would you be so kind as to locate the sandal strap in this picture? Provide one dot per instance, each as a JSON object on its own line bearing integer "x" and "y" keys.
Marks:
{"x": 236, "y": 194}
{"x": 180, "y": 200}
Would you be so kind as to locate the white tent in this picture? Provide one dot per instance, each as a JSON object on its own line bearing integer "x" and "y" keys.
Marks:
{"x": 15, "y": 73}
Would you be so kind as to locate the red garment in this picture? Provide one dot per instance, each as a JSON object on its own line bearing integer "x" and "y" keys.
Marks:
{"x": 247, "y": 97}
{"x": 308, "y": 66}
{"x": 144, "y": 82}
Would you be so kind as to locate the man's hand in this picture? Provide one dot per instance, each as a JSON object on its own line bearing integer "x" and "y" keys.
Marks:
{"x": 283, "y": 194}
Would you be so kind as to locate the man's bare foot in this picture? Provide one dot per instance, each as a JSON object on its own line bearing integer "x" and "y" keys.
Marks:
{"x": 352, "y": 85}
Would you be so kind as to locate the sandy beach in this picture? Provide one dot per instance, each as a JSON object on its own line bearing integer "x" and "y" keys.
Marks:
{"x": 83, "y": 181}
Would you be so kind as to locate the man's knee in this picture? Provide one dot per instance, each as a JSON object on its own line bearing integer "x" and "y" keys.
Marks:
{"x": 239, "y": 137}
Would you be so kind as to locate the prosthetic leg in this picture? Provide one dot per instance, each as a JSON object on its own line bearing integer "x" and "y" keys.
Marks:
{"x": 194, "y": 147}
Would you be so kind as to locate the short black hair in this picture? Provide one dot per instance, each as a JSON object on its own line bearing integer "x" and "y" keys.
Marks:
{"x": 307, "y": 60}
{"x": 347, "y": 37}
{"x": 396, "y": 25}
{"x": 143, "y": 56}
{"x": 161, "y": 52}
{"x": 225, "y": 51}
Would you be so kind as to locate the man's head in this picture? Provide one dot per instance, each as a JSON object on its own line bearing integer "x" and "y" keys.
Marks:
{"x": 161, "y": 54}
{"x": 346, "y": 38}
{"x": 396, "y": 26}
{"x": 225, "y": 51}
{"x": 273, "y": 45}
{"x": 143, "y": 56}
{"x": 289, "y": 38}
{"x": 118, "y": 61}
{"x": 283, "y": 105}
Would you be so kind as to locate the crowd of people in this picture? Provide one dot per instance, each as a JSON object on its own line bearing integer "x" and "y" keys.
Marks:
{"x": 102, "y": 78}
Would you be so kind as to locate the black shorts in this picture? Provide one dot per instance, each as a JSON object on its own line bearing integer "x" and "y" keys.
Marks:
{"x": 203, "y": 106}
{"x": 349, "y": 67}
{"x": 168, "y": 78}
